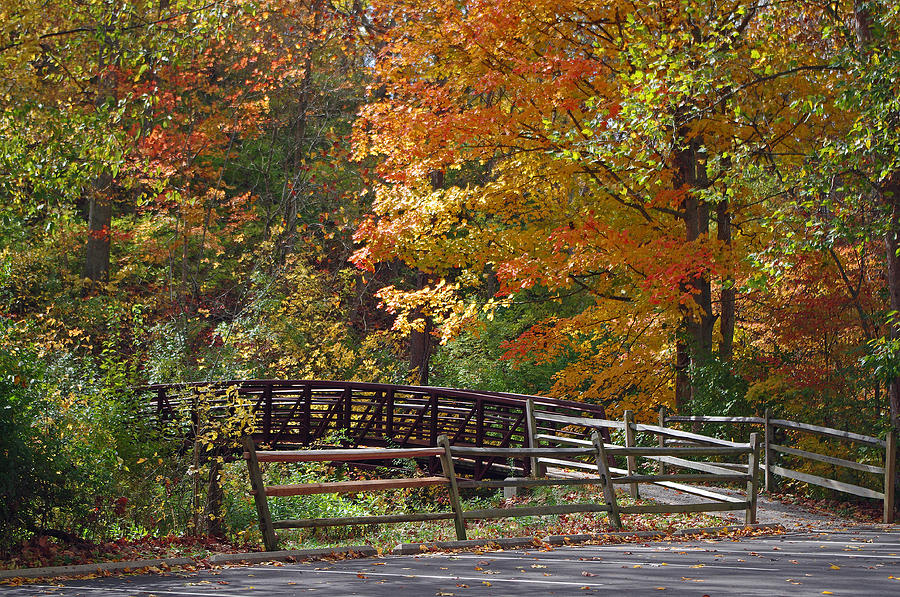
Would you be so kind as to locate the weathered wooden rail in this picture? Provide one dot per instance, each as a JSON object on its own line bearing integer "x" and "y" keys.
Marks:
{"x": 305, "y": 412}
{"x": 560, "y": 430}
{"x": 596, "y": 451}
{"x": 778, "y": 431}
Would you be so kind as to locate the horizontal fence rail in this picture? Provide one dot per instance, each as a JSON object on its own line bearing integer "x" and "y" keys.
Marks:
{"x": 598, "y": 455}
{"x": 778, "y": 431}
{"x": 554, "y": 430}
{"x": 449, "y": 479}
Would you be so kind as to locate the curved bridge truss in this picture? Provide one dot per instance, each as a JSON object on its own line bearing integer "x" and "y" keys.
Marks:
{"x": 303, "y": 412}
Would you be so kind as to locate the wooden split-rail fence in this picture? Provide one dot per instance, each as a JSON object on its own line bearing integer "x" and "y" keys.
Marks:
{"x": 292, "y": 413}
{"x": 583, "y": 459}
{"x": 778, "y": 432}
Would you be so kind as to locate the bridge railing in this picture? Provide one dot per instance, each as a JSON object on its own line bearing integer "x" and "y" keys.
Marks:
{"x": 304, "y": 412}
{"x": 777, "y": 432}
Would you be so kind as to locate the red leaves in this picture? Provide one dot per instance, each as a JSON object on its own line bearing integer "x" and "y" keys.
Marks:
{"x": 102, "y": 234}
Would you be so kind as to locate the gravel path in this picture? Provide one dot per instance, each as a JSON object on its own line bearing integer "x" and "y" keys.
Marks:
{"x": 768, "y": 510}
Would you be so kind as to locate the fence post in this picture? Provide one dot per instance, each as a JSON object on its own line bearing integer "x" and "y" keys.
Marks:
{"x": 890, "y": 474}
{"x": 270, "y": 539}
{"x": 537, "y": 468}
{"x": 753, "y": 481}
{"x": 769, "y": 439}
{"x": 450, "y": 472}
{"x": 195, "y": 469}
{"x": 609, "y": 492}
{"x": 662, "y": 438}
{"x": 630, "y": 460}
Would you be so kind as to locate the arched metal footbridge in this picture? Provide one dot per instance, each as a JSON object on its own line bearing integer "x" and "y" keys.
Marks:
{"x": 304, "y": 412}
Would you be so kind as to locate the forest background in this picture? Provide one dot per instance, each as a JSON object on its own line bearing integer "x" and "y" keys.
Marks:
{"x": 676, "y": 202}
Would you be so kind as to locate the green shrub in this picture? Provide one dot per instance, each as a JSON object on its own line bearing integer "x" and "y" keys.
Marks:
{"x": 33, "y": 477}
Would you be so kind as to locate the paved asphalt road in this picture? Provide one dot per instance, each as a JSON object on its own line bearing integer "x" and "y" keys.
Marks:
{"x": 845, "y": 562}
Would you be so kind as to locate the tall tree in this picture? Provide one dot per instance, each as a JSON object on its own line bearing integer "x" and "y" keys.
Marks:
{"x": 610, "y": 135}
{"x": 851, "y": 181}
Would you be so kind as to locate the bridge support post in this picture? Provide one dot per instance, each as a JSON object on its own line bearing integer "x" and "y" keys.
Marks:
{"x": 347, "y": 411}
{"x": 267, "y": 413}
{"x": 450, "y": 473}
{"x": 307, "y": 429}
{"x": 479, "y": 437}
{"x": 389, "y": 415}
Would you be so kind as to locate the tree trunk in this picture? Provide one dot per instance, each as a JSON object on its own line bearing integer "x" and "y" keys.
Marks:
{"x": 697, "y": 323}
{"x": 892, "y": 244}
{"x": 420, "y": 346}
{"x": 294, "y": 161}
{"x": 890, "y": 194}
{"x": 682, "y": 377}
{"x": 215, "y": 497}
{"x": 96, "y": 256}
{"x": 728, "y": 294}
{"x": 421, "y": 342}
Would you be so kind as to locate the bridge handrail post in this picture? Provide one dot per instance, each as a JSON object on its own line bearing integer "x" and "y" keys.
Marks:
{"x": 479, "y": 436}
{"x": 348, "y": 407}
{"x": 307, "y": 430}
{"x": 267, "y": 413}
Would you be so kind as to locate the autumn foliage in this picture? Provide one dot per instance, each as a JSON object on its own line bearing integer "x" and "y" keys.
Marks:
{"x": 635, "y": 204}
